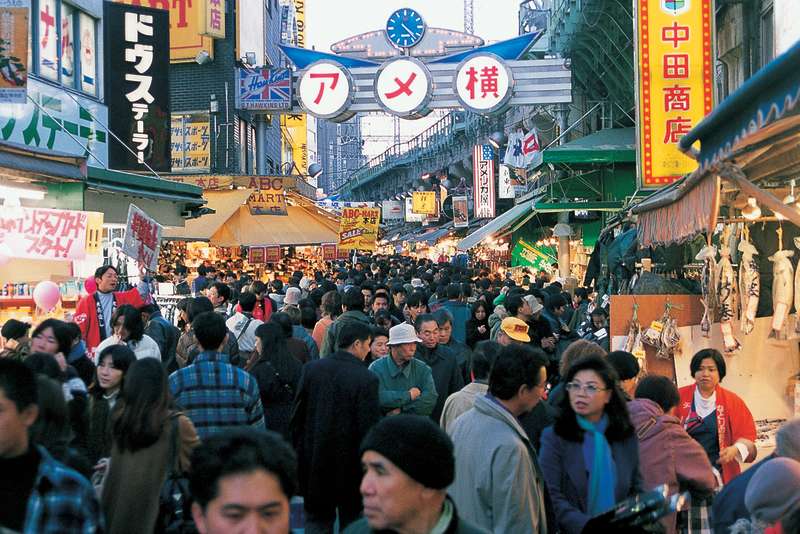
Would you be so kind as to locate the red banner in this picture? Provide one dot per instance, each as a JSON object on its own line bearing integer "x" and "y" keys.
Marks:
{"x": 272, "y": 254}
{"x": 329, "y": 251}
{"x": 255, "y": 256}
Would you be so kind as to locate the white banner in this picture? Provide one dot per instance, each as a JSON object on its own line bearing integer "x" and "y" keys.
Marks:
{"x": 505, "y": 187}
{"x": 391, "y": 210}
{"x": 410, "y": 215}
{"x": 142, "y": 238}
{"x": 483, "y": 175}
{"x": 522, "y": 148}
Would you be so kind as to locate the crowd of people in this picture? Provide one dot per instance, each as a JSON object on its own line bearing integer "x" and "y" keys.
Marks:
{"x": 392, "y": 395}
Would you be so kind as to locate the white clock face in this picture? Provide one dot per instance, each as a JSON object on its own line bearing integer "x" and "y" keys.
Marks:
{"x": 405, "y": 28}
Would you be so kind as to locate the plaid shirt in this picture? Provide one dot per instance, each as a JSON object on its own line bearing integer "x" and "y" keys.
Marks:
{"x": 62, "y": 501}
{"x": 215, "y": 395}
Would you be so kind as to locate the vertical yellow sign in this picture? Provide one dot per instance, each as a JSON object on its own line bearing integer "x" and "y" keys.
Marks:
{"x": 674, "y": 83}
{"x": 295, "y": 124}
{"x": 213, "y": 23}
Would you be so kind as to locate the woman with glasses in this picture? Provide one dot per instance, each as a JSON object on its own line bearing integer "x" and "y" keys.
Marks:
{"x": 715, "y": 417}
{"x": 590, "y": 456}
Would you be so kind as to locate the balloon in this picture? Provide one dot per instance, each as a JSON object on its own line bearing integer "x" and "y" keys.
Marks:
{"x": 4, "y": 260}
{"x": 46, "y": 295}
{"x": 90, "y": 285}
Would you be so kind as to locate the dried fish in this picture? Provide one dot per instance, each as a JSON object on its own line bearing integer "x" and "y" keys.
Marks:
{"x": 797, "y": 292}
{"x": 670, "y": 339}
{"x": 749, "y": 286}
{"x": 782, "y": 288}
{"x": 634, "y": 330}
{"x": 726, "y": 294}
{"x": 708, "y": 284}
{"x": 639, "y": 352}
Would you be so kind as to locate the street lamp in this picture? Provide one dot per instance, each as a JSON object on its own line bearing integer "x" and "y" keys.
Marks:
{"x": 498, "y": 139}
{"x": 315, "y": 170}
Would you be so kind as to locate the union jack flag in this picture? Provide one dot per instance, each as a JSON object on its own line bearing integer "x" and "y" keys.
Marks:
{"x": 265, "y": 89}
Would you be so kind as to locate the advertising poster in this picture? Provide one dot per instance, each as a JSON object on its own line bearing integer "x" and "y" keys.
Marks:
{"x": 142, "y": 238}
{"x": 44, "y": 234}
{"x": 358, "y": 228}
{"x": 409, "y": 213}
{"x": 392, "y": 210}
{"x": 13, "y": 51}
{"x": 483, "y": 175}
{"x": 272, "y": 254}
{"x": 329, "y": 252}
{"x": 460, "y": 214}
{"x": 191, "y": 147}
{"x": 256, "y": 256}
{"x": 269, "y": 199}
{"x": 264, "y": 89}
{"x": 423, "y": 202}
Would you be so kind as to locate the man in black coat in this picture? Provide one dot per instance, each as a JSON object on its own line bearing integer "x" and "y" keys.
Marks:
{"x": 447, "y": 375}
{"x": 336, "y": 404}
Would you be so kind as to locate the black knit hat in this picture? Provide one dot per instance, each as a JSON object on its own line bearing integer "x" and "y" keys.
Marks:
{"x": 625, "y": 363}
{"x": 415, "y": 445}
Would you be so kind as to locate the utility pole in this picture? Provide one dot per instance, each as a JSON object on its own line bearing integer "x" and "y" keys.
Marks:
{"x": 469, "y": 17}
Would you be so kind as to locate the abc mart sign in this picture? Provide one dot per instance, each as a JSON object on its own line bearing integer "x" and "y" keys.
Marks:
{"x": 406, "y": 87}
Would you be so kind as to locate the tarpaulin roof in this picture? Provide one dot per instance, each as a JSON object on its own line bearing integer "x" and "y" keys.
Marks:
{"x": 612, "y": 145}
{"x": 224, "y": 203}
{"x": 499, "y": 223}
{"x": 299, "y": 227}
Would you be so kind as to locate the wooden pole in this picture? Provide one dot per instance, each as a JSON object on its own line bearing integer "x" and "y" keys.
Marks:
{"x": 733, "y": 174}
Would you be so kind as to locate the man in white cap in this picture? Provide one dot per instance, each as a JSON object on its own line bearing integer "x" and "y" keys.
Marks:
{"x": 406, "y": 383}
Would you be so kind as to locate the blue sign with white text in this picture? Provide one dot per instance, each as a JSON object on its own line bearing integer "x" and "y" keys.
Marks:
{"x": 264, "y": 89}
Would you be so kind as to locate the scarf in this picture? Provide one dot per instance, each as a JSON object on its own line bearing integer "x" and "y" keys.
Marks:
{"x": 602, "y": 481}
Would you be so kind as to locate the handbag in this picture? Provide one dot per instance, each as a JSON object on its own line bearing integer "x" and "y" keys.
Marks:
{"x": 175, "y": 498}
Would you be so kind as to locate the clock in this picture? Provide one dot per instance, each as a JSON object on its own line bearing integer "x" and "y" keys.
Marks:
{"x": 405, "y": 28}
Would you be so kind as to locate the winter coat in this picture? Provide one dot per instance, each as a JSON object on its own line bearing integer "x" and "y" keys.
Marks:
{"x": 499, "y": 485}
{"x": 86, "y": 315}
{"x": 457, "y": 525}
{"x": 568, "y": 476}
{"x": 729, "y": 505}
{"x": 144, "y": 348}
{"x": 277, "y": 394}
{"x": 329, "y": 345}
{"x": 473, "y": 336}
{"x": 668, "y": 455}
{"x": 446, "y": 374}
{"x": 461, "y": 402}
{"x": 461, "y": 314}
{"x": 165, "y": 335}
{"x": 336, "y": 404}
{"x": 298, "y": 332}
{"x": 188, "y": 349}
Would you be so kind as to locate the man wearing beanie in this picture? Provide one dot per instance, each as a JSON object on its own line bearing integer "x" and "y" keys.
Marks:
{"x": 408, "y": 464}
{"x": 773, "y": 496}
{"x": 627, "y": 367}
{"x": 500, "y": 486}
{"x": 729, "y": 504}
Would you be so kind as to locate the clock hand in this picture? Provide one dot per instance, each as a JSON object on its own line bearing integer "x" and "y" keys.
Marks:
{"x": 406, "y": 29}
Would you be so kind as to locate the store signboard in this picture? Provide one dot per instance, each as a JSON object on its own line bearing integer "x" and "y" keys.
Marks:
{"x": 185, "y": 31}
{"x": 483, "y": 175}
{"x": 256, "y": 256}
{"x": 423, "y": 202}
{"x": 264, "y": 89}
{"x": 674, "y": 83}
{"x": 392, "y": 210}
{"x": 505, "y": 189}
{"x": 213, "y": 18}
{"x": 137, "y": 86}
{"x": 530, "y": 255}
{"x": 325, "y": 89}
{"x": 484, "y": 83}
{"x": 44, "y": 234}
{"x": 358, "y": 228}
{"x": 272, "y": 254}
{"x": 404, "y": 87}
{"x": 14, "y": 51}
{"x": 142, "y": 238}
{"x": 409, "y": 212}
{"x": 269, "y": 199}
{"x": 329, "y": 251}
{"x": 28, "y": 126}
{"x": 460, "y": 212}
{"x": 191, "y": 147}
{"x": 296, "y": 124}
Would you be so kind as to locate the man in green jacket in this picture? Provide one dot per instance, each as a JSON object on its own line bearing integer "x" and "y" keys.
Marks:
{"x": 353, "y": 306}
{"x": 406, "y": 383}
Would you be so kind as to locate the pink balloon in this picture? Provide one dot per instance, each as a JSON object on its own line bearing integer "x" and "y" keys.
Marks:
{"x": 90, "y": 285}
{"x": 46, "y": 295}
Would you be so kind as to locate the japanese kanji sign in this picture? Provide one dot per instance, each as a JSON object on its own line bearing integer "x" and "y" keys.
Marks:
{"x": 675, "y": 83}
{"x": 483, "y": 174}
{"x": 522, "y": 148}
{"x": 269, "y": 199}
{"x": 137, "y": 86}
{"x": 256, "y": 256}
{"x": 460, "y": 212}
{"x": 44, "y": 234}
{"x": 13, "y": 51}
{"x": 409, "y": 212}
{"x": 213, "y": 18}
{"x": 424, "y": 202}
{"x": 272, "y": 254}
{"x": 191, "y": 148}
{"x": 358, "y": 228}
{"x": 483, "y": 83}
{"x": 505, "y": 187}
{"x": 142, "y": 238}
{"x": 329, "y": 252}
{"x": 325, "y": 89}
{"x": 264, "y": 89}
{"x": 404, "y": 86}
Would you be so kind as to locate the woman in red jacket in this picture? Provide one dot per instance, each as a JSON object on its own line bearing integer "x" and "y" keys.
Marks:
{"x": 717, "y": 418}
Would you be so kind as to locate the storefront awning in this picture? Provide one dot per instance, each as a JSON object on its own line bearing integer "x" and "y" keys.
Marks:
{"x": 432, "y": 237}
{"x": 521, "y": 212}
{"x": 143, "y": 186}
{"x": 224, "y": 204}
{"x": 42, "y": 163}
{"x": 299, "y": 227}
{"x": 612, "y": 145}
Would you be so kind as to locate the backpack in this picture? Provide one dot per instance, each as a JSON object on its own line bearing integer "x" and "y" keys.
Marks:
{"x": 175, "y": 498}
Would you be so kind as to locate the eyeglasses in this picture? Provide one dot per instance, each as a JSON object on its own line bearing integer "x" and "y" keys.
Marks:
{"x": 589, "y": 389}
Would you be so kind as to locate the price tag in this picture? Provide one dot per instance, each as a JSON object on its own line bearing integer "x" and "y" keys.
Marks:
{"x": 600, "y": 334}
{"x": 639, "y": 353}
{"x": 658, "y": 326}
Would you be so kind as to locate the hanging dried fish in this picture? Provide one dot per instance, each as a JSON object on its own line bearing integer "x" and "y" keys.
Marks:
{"x": 749, "y": 286}
{"x": 652, "y": 336}
{"x": 797, "y": 292}
{"x": 708, "y": 284}
{"x": 670, "y": 339}
{"x": 639, "y": 352}
{"x": 634, "y": 330}
{"x": 726, "y": 294}
{"x": 782, "y": 288}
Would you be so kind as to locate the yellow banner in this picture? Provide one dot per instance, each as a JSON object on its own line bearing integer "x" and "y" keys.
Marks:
{"x": 675, "y": 83}
{"x": 191, "y": 148}
{"x": 213, "y": 23}
{"x": 185, "y": 17}
{"x": 358, "y": 228}
{"x": 423, "y": 203}
{"x": 94, "y": 233}
{"x": 296, "y": 124}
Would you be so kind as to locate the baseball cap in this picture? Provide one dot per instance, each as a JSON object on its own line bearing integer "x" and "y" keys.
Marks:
{"x": 516, "y": 329}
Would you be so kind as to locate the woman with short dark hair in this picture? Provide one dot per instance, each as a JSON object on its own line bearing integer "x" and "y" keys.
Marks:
{"x": 128, "y": 327}
{"x": 478, "y": 323}
{"x": 716, "y": 417}
{"x": 16, "y": 343}
{"x": 590, "y": 456}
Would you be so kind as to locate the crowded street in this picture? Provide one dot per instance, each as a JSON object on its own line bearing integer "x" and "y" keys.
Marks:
{"x": 411, "y": 267}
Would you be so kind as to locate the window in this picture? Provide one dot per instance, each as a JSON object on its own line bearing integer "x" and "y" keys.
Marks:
{"x": 55, "y": 54}
{"x": 767, "y": 34}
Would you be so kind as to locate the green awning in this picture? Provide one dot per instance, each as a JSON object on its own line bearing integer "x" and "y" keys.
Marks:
{"x": 143, "y": 186}
{"x": 612, "y": 145}
{"x": 556, "y": 207}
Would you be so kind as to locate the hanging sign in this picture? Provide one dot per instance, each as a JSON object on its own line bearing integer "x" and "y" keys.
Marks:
{"x": 483, "y": 83}
{"x": 272, "y": 254}
{"x": 256, "y": 256}
{"x": 329, "y": 252}
{"x": 137, "y": 86}
{"x": 325, "y": 90}
{"x": 528, "y": 254}
{"x": 409, "y": 211}
{"x": 264, "y": 89}
{"x": 460, "y": 212}
{"x": 423, "y": 202}
{"x": 213, "y": 18}
{"x": 44, "y": 234}
{"x": 404, "y": 87}
{"x": 142, "y": 238}
{"x": 14, "y": 51}
{"x": 358, "y": 228}
{"x": 191, "y": 150}
{"x": 270, "y": 199}
{"x": 675, "y": 83}
{"x": 392, "y": 210}
{"x": 505, "y": 189}
{"x": 522, "y": 148}
{"x": 483, "y": 175}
